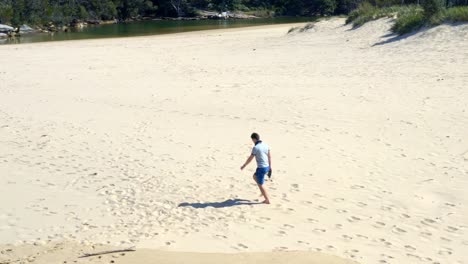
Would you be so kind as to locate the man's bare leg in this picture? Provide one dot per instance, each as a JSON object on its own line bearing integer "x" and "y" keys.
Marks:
{"x": 262, "y": 190}
{"x": 255, "y": 180}
{"x": 264, "y": 193}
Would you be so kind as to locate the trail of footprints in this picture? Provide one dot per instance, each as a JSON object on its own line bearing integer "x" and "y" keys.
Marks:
{"x": 126, "y": 201}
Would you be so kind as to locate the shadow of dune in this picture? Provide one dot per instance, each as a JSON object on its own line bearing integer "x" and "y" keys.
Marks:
{"x": 395, "y": 37}
{"x": 227, "y": 203}
{"x": 352, "y": 27}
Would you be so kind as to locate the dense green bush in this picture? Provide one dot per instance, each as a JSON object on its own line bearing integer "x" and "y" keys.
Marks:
{"x": 432, "y": 7}
{"x": 408, "y": 22}
{"x": 325, "y": 7}
{"x": 409, "y": 17}
{"x": 457, "y": 14}
{"x": 6, "y": 13}
{"x": 365, "y": 12}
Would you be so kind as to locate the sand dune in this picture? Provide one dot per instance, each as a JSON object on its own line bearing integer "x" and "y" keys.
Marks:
{"x": 138, "y": 142}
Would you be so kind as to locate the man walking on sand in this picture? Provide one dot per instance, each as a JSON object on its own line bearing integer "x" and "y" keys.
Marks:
{"x": 261, "y": 152}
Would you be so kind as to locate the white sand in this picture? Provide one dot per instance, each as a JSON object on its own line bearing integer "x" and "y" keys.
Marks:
{"x": 72, "y": 253}
{"x": 101, "y": 140}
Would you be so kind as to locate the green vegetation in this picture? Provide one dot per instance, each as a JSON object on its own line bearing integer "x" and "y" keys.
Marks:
{"x": 367, "y": 12}
{"x": 409, "y": 13}
{"x": 408, "y": 22}
{"x": 62, "y": 12}
{"x": 410, "y": 17}
{"x": 457, "y": 14}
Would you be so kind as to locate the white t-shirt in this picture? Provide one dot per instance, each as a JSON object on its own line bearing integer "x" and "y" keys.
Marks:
{"x": 260, "y": 151}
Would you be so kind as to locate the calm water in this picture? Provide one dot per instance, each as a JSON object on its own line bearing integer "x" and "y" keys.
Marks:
{"x": 144, "y": 28}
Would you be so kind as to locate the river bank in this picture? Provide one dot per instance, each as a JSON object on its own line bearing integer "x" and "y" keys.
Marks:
{"x": 76, "y": 24}
{"x": 151, "y": 27}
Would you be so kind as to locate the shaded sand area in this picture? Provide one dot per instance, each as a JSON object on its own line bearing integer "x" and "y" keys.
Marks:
{"x": 138, "y": 142}
{"x": 73, "y": 253}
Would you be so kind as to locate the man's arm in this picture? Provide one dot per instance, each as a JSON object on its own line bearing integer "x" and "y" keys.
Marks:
{"x": 269, "y": 159}
{"x": 247, "y": 161}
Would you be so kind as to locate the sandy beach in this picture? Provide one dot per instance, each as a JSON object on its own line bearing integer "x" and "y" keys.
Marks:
{"x": 137, "y": 143}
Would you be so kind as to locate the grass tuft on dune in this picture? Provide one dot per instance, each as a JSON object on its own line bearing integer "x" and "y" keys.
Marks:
{"x": 408, "y": 18}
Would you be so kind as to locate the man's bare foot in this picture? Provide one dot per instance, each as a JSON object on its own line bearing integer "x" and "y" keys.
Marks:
{"x": 266, "y": 202}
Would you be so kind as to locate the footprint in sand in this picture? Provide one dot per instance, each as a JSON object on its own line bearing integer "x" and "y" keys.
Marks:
{"x": 280, "y": 249}
{"x": 427, "y": 234}
{"x": 385, "y": 258}
{"x": 405, "y": 216}
{"x": 295, "y": 186}
{"x": 242, "y": 246}
{"x": 398, "y": 230}
{"x": 445, "y": 252}
{"x": 353, "y": 219}
{"x": 168, "y": 243}
{"x": 452, "y": 229}
{"x": 413, "y": 256}
{"x": 428, "y": 221}
{"x": 320, "y": 207}
{"x": 362, "y": 236}
{"x": 445, "y": 239}
{"x": 351, "y": 253}
{"x": 319, "y": 230}
{"x": 386, "y": 208}
{"x": 330, "y": 247}
{"x": 361, "y": 204}
{"x": 385, "y": 242}
{"x": 347, "y": 238}
{"x": 282, "y": 233}
{"x": 411, "y": 248}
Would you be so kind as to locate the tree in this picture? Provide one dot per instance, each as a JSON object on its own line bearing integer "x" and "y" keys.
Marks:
{"x": 177, "y": 5}
{"x": 432, "y": 7}
{"x": 18, "y": 17}
{"x": 6, "y": 12}
{"x": 325, "y": 7}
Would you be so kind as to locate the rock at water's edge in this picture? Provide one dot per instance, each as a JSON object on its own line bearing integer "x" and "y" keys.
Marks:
{"x": 24, "y": 29}
{"x": 5, "y": 28}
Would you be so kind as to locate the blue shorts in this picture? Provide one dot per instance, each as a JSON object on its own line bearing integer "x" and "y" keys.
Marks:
{"x": 260, "y": 174}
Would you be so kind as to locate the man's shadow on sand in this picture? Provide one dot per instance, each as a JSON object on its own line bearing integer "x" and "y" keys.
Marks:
{"x": 227, "y": 203}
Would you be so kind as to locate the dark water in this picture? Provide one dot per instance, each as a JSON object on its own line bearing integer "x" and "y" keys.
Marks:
{"x": 144, "y": 28}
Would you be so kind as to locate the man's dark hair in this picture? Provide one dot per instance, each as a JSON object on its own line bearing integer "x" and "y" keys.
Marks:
{"x": 255, "y": 136}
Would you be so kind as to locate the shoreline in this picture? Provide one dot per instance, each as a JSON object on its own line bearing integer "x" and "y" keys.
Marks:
{"x": 165, "y": 35}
